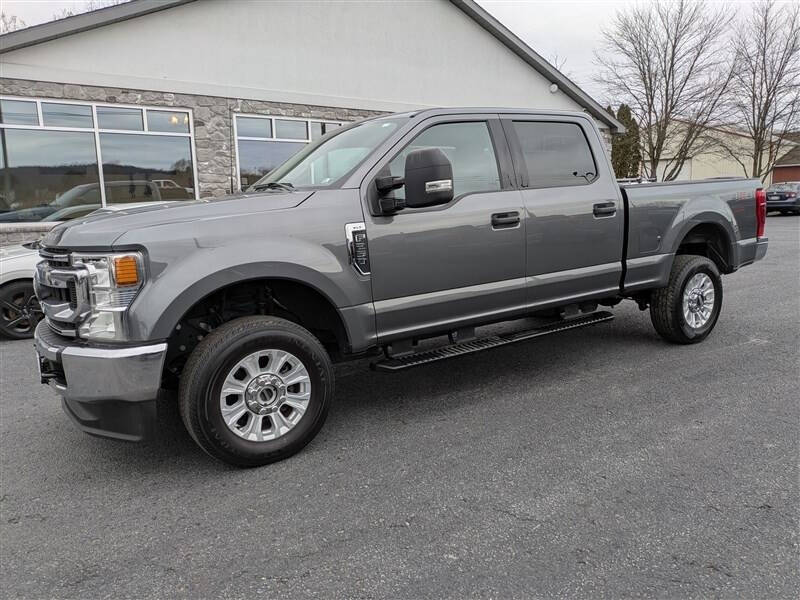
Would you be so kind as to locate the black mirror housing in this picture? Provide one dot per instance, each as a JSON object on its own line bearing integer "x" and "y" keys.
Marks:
{"x": 428, "y": 178}
{"x": 387, "y": 183}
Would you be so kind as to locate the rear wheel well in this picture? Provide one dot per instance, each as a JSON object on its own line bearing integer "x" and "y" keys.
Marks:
{"x": 283, "y": 298}
{"x": 711, "y": 241}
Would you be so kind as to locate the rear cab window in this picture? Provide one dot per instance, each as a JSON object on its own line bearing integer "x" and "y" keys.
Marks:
{"x": 554, "y": 154}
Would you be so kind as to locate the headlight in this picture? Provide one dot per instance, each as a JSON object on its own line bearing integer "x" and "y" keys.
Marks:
{"x": 113, "y": 282}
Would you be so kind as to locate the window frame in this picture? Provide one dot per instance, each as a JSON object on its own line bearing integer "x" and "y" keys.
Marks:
{"x": 272, "y": 118}
{"x": 523, "y": 178}
{"x": 96, "y": 131}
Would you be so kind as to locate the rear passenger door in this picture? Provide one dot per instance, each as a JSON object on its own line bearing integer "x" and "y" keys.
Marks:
{"x": 573, "y": 209}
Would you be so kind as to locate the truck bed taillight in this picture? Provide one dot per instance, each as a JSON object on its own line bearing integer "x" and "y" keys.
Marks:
{"x": 761, "y": 211}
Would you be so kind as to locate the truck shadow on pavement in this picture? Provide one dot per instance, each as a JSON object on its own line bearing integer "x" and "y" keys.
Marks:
{"x": 367, "y": 402}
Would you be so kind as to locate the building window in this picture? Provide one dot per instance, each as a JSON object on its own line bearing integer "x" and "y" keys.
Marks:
{"x": 263, "y": 143}
{"x": 61, "y": 160}
{"x": 17, "y": 112}
{"x": 67, "y": 115}
{"x": 134, "y": 164}
{"x": 117, "y": 117}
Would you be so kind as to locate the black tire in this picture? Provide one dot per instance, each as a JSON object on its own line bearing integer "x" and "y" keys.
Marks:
{"x": 208, "y": 366}
{"x": 666, "y": 304}
{"x": 19, "y": 310}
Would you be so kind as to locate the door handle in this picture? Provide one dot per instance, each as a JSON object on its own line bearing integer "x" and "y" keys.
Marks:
{"x": 505, "y": 220}
{"x": 605, "y": 209}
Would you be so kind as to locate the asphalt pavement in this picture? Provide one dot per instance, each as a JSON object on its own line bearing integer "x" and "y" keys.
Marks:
{"x": 600, "y": 462}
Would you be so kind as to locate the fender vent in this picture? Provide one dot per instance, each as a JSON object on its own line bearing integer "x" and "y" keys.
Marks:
{"x": 357, "y": 246}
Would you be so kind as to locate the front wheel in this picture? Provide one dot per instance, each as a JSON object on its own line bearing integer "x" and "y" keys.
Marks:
{"x": 687, "y": 309}
{"x": 256, "y": 390}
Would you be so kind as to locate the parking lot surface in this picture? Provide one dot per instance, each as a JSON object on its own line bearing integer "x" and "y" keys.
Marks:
{"x": 598, "y": 462}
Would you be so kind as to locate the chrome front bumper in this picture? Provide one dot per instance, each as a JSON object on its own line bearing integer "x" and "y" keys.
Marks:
{"x": 108, "y": 391}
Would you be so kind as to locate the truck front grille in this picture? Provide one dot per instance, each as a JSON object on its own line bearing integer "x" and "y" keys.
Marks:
{"x": 57, "y": 257}
{"x": 62, "y": 291}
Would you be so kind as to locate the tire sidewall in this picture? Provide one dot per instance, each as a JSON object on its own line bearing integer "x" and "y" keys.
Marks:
{"x": 210, "y": 386}
{"x": 697, "y": 334}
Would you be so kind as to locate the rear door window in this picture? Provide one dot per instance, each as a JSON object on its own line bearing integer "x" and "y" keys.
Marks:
{"x": 555, "y": 154}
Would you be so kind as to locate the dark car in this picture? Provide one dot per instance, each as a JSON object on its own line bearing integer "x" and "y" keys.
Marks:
{"x": 83, "y": 199}
{"x": 784, "y": 197}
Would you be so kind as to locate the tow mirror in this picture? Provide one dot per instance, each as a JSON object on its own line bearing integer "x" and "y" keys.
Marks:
{"x": 428, "y": 178}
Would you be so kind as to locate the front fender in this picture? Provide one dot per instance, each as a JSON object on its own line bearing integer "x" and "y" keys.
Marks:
{"x": 165, "y": 300}
{"x": 188, "y": 261}
{"x": 170, "y": 294}
{"x": 19, "y": 274}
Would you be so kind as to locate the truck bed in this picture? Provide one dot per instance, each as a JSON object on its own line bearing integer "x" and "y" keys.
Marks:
{"x": 659, "y": 216}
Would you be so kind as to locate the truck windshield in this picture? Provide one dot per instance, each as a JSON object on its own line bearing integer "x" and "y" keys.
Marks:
{"x": 323, "y": 163}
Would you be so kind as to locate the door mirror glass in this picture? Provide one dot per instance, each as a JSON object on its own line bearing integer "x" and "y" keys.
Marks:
{"x": 428, "y": 178}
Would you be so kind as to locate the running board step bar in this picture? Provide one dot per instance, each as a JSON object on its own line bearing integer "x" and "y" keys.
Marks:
{"x": 428, "y": 356}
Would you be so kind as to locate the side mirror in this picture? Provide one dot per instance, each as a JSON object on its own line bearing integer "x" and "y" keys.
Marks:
{"x": 428, "y": 178}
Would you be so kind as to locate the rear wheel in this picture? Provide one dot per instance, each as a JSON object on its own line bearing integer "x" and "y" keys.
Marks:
{"x": 256, "y": 390}
{"x": 686, "y": 311}
{"x": 19, "y": 310}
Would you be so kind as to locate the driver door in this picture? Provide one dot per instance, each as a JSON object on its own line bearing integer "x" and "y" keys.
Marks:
{"x": 437, "y": 268}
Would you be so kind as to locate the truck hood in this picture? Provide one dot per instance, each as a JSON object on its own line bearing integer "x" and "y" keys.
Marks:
{"x": 101, "y": 230}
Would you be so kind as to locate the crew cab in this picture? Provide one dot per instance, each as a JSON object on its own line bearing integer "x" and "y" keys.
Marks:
{"x": 395, "y": 229}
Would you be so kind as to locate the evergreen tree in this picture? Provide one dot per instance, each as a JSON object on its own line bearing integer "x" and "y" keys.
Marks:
{"x": 626, "y": 154}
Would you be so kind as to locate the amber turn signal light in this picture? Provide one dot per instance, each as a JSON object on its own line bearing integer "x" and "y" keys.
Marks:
{"x": 126, "y": 270}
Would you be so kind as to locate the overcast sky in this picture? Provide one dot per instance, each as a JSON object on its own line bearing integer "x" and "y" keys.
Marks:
{"x": 569, "y": 29}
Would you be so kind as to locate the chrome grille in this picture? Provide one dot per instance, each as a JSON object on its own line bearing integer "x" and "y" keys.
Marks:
{"x": 55, "y": 257}
{"x": 62, "y": 291}
{"x": 72, "y": 294}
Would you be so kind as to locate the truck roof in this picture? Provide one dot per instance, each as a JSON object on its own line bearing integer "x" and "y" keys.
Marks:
{"x": 461, "y": 110}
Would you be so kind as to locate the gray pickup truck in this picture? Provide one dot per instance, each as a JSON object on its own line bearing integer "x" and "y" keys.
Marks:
{"x": 386, "y": 232}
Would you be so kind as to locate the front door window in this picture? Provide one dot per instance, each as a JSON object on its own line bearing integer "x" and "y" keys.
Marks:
{"x": 470, "y": 150}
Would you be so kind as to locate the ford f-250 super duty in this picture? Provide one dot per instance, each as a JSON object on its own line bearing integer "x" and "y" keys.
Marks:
{"x": 383, "y": 233}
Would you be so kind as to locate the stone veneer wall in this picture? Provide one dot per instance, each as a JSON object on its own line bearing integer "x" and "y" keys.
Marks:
{"x": 213, "y": 129}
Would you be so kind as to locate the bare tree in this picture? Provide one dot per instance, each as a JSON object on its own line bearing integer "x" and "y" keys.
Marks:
{"x": 667, "y": 61}
{"x": 96, "y": 4}
{"x": 88, "y": 6}
{"x": 558, "y": 61}
{"x": 63, "y": 14}
{"x": 9, "y": 23}
{"x": 765, "y": 96}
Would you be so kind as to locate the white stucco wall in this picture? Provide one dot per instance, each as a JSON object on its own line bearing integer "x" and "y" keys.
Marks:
{"x": 371, "y": 55}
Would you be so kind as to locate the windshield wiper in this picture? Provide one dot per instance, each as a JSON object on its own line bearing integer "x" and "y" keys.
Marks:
{"x": 274, "y": 185}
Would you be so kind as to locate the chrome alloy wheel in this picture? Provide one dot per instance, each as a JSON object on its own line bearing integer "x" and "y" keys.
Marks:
{"x": 698, "y": 300}
{"x": 265, "y": 395}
